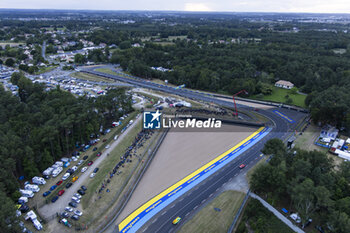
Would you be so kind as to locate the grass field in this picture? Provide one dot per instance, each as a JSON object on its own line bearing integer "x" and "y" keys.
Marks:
{"x": 278, "y": 95}
{"x": 105, "y": 70}
{"x": 256, "y": 218}
{"x": 209, "y": 220}
{"x": 164, "y": 43}
{"x": 46, "y": 69}
{"x": 91, "y": 77}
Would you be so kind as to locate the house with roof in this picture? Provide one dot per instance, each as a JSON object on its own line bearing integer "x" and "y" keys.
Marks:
{"x": 284, "y": 84}
{"x": 329, "y": 132}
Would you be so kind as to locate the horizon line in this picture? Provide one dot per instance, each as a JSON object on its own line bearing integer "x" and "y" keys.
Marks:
{"x": 176, "y": 11}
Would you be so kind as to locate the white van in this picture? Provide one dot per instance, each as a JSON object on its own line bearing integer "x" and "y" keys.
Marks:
{"x": 59, "y": 163}
{"x": 38, "y": 180}
{"x": 48, "y": 171}
{"x": 26, "y": 193}
{"x": 57, "y": 171}
{"x": 37, "y": 224}
{"x": 32, "y": 187}
{"x": 23, "y": 200}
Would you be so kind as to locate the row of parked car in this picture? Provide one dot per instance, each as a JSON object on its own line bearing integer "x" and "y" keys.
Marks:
{"x": 69, "y": 210}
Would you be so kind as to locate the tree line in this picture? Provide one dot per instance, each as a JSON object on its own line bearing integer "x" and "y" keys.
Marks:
{"x": 307, "y": 183}
{"x": 38, "y": 127}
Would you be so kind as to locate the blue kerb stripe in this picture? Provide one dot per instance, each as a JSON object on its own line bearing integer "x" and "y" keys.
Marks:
{"x": 147, "y": 214}
{"x": 284, "y": 116}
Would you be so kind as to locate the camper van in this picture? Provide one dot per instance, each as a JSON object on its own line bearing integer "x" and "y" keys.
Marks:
{"x": 26, "y": 193}
{"x": 59, "y": 163}
{"x": 32, "y": 187}
{"x": 48, "y": 171}
{"x": 22, "y": 200}
{"x": 38, "y": 180}
{"x": 37, "y": 224}
{"x": 57, "y": 171}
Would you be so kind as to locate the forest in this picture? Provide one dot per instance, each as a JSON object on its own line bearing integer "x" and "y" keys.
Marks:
{"x": 305, "y": 182}
{"x": 39, "y": 127}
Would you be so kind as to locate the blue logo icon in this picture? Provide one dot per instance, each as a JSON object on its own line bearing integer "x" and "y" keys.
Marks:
{"x": 151, "y": 120}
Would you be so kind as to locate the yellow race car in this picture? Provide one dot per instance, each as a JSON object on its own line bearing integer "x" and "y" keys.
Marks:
{"x": 176, "y": 220}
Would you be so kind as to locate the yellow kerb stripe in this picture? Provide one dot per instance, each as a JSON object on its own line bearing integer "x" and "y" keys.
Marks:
{"x": 171, "y": 188}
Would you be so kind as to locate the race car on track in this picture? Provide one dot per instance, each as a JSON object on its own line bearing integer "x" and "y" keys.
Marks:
{"x": 176, "y": 220}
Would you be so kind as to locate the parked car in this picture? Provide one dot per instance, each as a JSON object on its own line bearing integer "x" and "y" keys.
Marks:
{"x": 90, "y": 163}
{"x": 92, "y": 175}
{"x": 65, "y": 176}
{"x": 70, "y": 171}
{"x": 72, "y": 204}
{"x": 46, "y": 193}
{"x": 98, "y": 154}
{"x": 96, "y": 170}
{"x": 77, "y": 195}
{"x": 75, "y": 217}
{"x": 75, "y": 178}
{"x": 95, "y": 149}
{"x": 81, "y": 192}
{"x": 24, "y": 208}
{"x": 84, "y": 169}
{"x": 59, "y": 182}
{"x": 53, "y": 187}
{"x": 60, "y": 193}
{"x": 85, "y": 157}
{"x": 46, "y": 177}
{"x": 104, "y": 140}
{"x": 74, "y": 168}
{"x": 64, "y": 215}
{"x": 108, "y": 146}
{"x": 77, "y": 212}
{"x": 76, "y": 200}
{"x": 68, "y": 185}
{"x": 80, "y": 162}
{"x": 68, "y": 209}
{"x": 83, "y": 187}
{"x": 54, "y": 199}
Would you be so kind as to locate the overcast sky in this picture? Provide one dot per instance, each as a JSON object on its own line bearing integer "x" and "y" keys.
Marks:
{"x": 317, "y": 6}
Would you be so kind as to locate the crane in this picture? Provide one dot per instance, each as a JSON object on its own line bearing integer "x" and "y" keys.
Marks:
{"x": 234, "y": 101}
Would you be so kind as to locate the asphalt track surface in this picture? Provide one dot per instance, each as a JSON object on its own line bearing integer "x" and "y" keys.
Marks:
{"x": 281, "y": 128}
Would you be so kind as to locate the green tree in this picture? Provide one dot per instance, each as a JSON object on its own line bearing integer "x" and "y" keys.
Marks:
{"x": 9, "y": 62}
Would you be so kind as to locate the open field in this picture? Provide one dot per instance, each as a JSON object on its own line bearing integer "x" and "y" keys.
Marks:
{"x": 307, "y": 139}
{"x": 209, "y": 220}
{"x": 105, "y": 70}
{"x": 46, "y": 69}
{"x": 180, "y": 154}
{"x": 256, "y": 218}
{"x": 91, "y": 77}
{"x": 278, "y": 95}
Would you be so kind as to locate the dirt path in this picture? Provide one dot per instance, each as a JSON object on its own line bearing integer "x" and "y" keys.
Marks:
{"x": 180, "y": 154}
{"x": 62, "y": 202}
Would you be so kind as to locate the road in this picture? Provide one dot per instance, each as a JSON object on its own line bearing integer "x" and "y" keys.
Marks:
{"x": 62, "y": 202}
{"x": 277, "y": 214}
{"x": 281, "y": 128}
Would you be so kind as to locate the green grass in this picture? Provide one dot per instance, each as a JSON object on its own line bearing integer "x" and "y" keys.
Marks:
{"x": 278, "y": 95}
{"x": 210, "y": 220}
{"x": 105, "y": 70}
{"x": 46, "y": 69}
{"x": 256, "y": 218}
{"x": 91, "y": 77}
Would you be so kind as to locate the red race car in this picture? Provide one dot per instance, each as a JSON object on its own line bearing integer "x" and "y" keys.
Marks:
{"x": 60, "y": 193}
{"x": 242, "y": 166}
